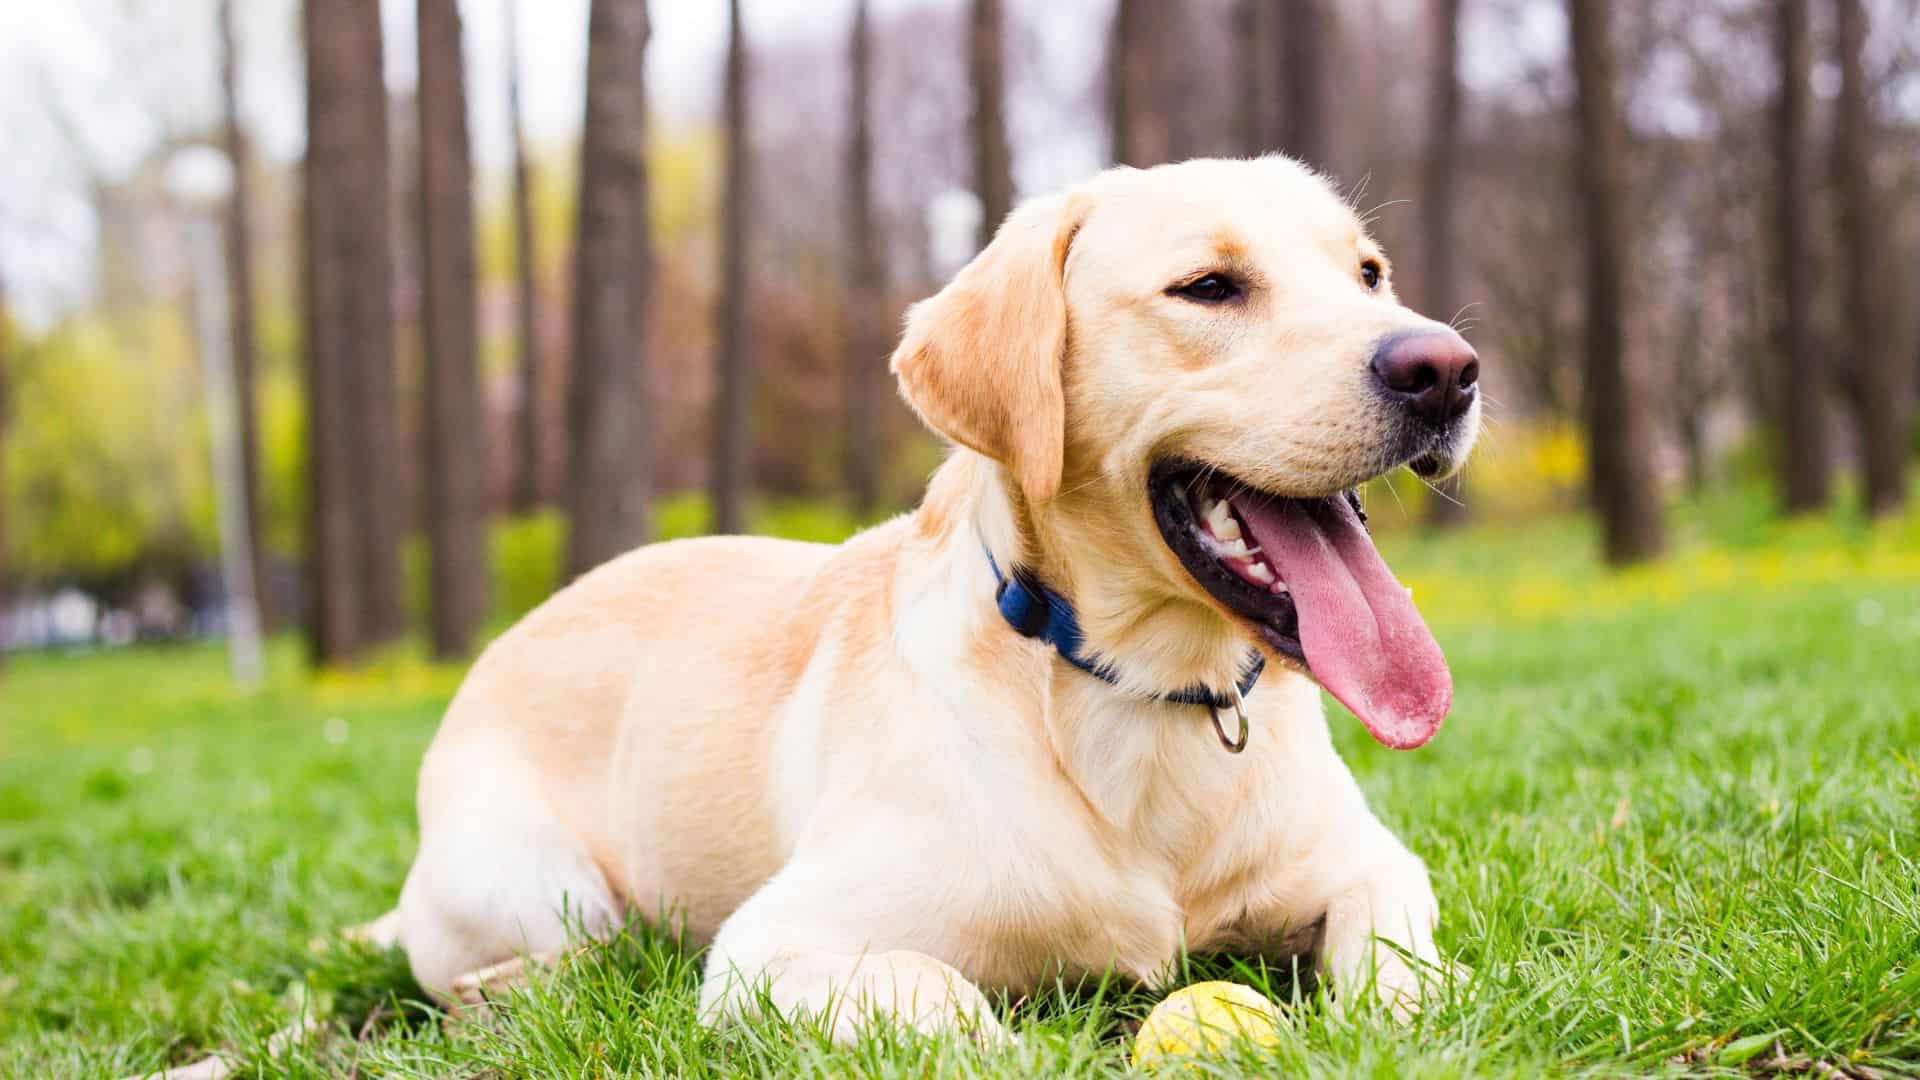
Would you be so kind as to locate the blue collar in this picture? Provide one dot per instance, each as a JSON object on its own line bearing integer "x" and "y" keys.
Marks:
{"x": 1038, "y": 612}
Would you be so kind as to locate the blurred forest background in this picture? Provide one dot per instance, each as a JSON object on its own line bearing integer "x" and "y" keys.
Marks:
{"x": 504, "y": 288}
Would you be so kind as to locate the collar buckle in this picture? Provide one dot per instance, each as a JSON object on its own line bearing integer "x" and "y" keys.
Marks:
{"x": 1233, "y": 746}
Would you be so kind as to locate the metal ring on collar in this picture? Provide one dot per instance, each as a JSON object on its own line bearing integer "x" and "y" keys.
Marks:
{"x": 1233, "y": 746}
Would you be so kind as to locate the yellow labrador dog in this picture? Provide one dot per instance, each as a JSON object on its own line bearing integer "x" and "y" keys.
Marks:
{"x": 986, "y": 744}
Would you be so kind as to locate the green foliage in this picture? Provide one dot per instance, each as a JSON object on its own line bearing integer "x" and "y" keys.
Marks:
{"x": 283, "y": 460}
{"x": 687, "y": 513}
{"x": 681, "y": 515}
{"x": 106, "y": 453}
{"x": 814, "y": 522}
{"x": 529, "y": 553}
{"x": 1670, "y": 824}
{"x": 106, "y": 459}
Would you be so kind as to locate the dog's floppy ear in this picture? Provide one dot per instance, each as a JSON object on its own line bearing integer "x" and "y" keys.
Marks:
{"x": 980, "y": 361}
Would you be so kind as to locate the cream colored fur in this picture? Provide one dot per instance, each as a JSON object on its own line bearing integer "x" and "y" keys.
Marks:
{"x": 841, "y": 769}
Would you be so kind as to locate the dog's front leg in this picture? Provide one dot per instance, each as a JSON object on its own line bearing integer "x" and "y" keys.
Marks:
{"x": 1378, "y": 935}
{"x": 807, "y": 956}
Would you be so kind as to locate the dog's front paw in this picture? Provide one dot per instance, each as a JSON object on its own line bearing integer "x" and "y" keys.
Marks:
{"x": 850, "y": 995}
{"x": 1378, "y": 942}
{"x": 1402, "y": 983}
{"x": 1398, "y": 984}
{"x": 917, "y": 991}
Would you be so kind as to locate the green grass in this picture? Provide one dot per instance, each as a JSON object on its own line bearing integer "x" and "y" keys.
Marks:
{"x": 1673, "y": 823}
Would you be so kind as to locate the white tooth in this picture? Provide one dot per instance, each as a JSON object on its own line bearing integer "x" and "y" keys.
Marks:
{"x": 1235, "y": 548}
{"x": 1258, "y": 572}
{"x": 1220, "y": 519}
{"x": 1280, "y": 588}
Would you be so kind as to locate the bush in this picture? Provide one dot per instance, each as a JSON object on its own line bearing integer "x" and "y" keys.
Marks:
{"x": 528, "y": 554}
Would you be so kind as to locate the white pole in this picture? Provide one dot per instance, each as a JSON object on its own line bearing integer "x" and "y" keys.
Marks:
{"x": 223, "y": 423}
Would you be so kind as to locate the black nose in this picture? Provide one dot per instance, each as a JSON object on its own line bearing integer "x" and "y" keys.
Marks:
{"x": 1432, "y": 372}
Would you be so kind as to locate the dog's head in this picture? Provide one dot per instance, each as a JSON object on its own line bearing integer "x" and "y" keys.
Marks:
{"x": 1184, "y": 372}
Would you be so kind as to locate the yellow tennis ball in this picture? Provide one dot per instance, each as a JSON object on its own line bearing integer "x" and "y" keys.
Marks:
{"x": 1205, "y": 1018}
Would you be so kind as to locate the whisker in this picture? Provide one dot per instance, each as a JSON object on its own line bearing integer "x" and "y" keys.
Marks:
{"x": 1359, "y": 189}
{"x": 1373, "y": 215}
{"x": 1431, "y": 486}
{"x": 1387, "y": 478}
{"x": 1077, "y": 487}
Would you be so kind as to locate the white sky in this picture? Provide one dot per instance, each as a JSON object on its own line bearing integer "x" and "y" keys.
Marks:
{"x": 102, "y": 69}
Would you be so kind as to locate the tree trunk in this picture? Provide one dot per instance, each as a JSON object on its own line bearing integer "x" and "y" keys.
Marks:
{"x": 527, "y": 492}
{"x": 6, "y": 342}
{"x": 1803, "y": 461}
{"x": 456, "y": 501}
{"x": 1306, "y": 40}
{"x": 1879, "y": 377}
{"x": 1120, "y": 51}
{"x": 383, "y": 465}
{"x": 992, "y": 162}
{"x": 1442, "y": 288}
{"x": 1625, "y": 491}
{"x": 1252, "y": 46}
{"x": 1136, "y": 71}
{"x": 733, "y": 421}
{"x": 1691, "y": 387}
{"x": 608, "y": 477}
{"x": 866, "y": 279}
{"x": 240, "y": 308}
{"x": 353, "y": 543}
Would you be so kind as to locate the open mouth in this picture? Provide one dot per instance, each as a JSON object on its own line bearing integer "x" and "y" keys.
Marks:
{"x": 1305, "y": 576}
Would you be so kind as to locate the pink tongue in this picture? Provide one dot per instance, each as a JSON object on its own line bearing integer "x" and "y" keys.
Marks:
{"x": 1365, "y": 642}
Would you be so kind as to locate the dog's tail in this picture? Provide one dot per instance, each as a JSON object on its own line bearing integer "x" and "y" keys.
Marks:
{"x": 381, "y": 933}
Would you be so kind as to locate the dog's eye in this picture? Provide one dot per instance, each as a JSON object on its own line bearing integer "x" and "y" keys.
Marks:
{"x": 1211, "y": 289}
{"x": 1370, "y": 274}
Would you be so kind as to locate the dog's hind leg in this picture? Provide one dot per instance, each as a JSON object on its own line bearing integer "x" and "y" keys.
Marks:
{"x": 497, "y": 878}
{"x": 381, "y": 933}
{"x": 470, "y": 992}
